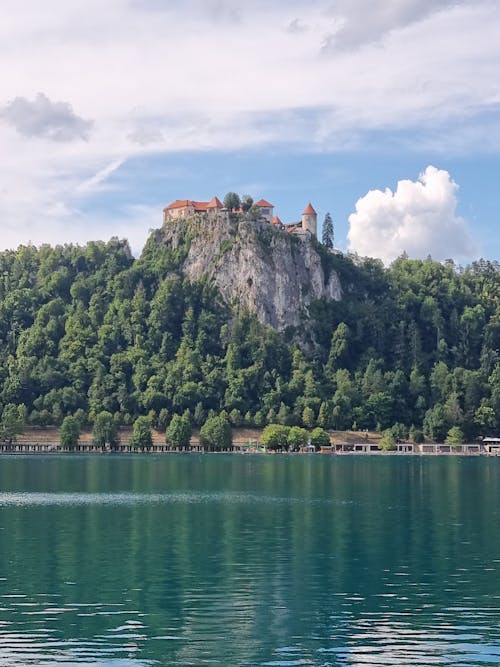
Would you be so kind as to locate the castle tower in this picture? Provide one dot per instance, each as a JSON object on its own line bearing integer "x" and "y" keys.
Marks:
{"x": 310, "y": 220}
{"x": 265, "y": 209}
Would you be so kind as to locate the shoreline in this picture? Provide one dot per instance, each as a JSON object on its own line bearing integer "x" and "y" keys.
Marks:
{"x": 245, "y": 441}
{"x": 38, "y": 449}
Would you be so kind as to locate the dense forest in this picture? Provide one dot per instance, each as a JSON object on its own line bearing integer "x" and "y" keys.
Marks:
{"x": 413, "y": 348}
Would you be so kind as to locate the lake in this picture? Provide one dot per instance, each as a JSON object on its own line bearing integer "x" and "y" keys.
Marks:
{"x": 130, "y": 561}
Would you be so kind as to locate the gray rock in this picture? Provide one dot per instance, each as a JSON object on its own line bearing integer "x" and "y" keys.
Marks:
{"x": 256, "y": 267}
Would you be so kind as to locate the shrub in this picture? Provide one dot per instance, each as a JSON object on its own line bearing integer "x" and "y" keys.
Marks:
{"x": 216, "y": 433}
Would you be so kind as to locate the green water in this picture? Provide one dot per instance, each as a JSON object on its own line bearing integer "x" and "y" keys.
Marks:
{"x": 249, "y": 560}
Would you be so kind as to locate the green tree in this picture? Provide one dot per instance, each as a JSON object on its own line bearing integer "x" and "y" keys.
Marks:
{"x": 105, "y": 432}
{"x": 92, "y": 329}
{"x": 80, "y": 417}
{"x": 246, "y": 203}
{"x": 435, "y": 424}
{"x": 319, "y": 438}
{"x": 308, "y": 418}
{"x": 283, "y": 416}
{"x": 485, "y": 419}
{"x": 324, "y": 417}
{"x": 216, "y": 433}
{"x": 455, "y": 436}
{"x": 232, "y": 201}
{"x": 199, "y": 414}
{"x": 236, "y": 418}
{"x": 387, "y": 442}
{"x": 12, "y": 422}
{"x": 142, "y": 436}
{"x": 163, "y": 419}
{"x": 275, "y": 436}
{"x": 259, "y": 419}
{"x": 416, "y": 435}
{"x": 248, "y": 419}
{"x": 327, "y": 236}
{"x": 70, "y": 432}
{"x": 339, "y": 348}
{"x": 297, "y": 438}
{"x": 178, "y": 432}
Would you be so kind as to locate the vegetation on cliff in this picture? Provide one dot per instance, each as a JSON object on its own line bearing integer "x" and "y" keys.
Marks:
{"x": 83, "y": 330}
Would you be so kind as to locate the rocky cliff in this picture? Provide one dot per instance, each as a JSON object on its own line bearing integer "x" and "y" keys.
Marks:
{"x": 256, "y": 267}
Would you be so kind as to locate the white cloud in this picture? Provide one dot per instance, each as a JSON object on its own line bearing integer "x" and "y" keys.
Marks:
{"x": 43, "y": 118}
{"x": 295, "y": 27}
{"x": 418, "y": 218}
{"x": 158, "y": 77}
{"x": 358, "y": 25}
{"x": 97, "y": 181}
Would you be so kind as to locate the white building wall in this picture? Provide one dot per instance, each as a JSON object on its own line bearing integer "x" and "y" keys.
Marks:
{"x": 310, "y": 224}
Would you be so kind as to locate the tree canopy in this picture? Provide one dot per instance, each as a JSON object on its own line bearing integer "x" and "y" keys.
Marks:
{"x": 105, "y": 432}
{"x": 12, "y": 422}
{"x": 87, "y": 330}
{"x": 232, "y": 201}
{"x": 216, "y": 433}
{"x": 141, "y": 433}
{"x": 70, "y": 432}
{"x": 178, "y": 433}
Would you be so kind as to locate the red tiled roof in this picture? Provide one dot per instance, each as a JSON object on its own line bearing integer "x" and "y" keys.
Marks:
{"x": 197, "y": 205}
{"x": 178, "y": 203}
{"x": 215, "y": 203}
{"x": 276, "y": 221}
{"x": 262, "y": 203}
{"x": 309, "y": 210}
{"x": 293, "y": 226}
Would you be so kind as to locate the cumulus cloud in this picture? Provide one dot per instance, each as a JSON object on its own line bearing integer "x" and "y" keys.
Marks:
{"x": 45, "y": 119}
{"x": 218, "y": 75}
{"x": 419, "y": 218}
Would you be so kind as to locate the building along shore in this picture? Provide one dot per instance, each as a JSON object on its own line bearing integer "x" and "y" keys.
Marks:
{"x": 47, "y": 440}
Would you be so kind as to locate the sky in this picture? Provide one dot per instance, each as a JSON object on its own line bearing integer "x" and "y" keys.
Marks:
{"x": 384, "y": 113}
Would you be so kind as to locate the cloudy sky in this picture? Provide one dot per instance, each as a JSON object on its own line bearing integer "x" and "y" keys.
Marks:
{"x": 385, "y": 113}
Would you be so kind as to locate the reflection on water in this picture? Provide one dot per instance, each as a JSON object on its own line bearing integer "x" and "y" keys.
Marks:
{"x": 228, "y": 560}
{"x": 25, "y": 498}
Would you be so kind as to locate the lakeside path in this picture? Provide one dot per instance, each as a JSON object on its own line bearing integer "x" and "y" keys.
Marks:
{"x": 245, "y": 441}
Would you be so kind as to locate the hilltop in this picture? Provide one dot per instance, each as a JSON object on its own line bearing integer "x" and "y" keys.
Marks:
{"x": 239, "y": 316}
{"x": 255, "y": 266}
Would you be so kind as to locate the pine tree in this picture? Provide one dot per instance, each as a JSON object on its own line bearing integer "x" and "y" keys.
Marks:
{"x": 324, "y": 415}
{"x": 328, "y": 231}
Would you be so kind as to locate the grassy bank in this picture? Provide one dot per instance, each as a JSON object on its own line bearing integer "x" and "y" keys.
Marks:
{"x": 50, "y": 435}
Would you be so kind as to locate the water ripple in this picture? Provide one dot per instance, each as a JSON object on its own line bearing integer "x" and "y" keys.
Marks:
{"x": 23, "y": 499}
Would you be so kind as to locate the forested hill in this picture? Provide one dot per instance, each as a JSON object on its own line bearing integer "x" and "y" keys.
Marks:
{"x": 86, "y": 329}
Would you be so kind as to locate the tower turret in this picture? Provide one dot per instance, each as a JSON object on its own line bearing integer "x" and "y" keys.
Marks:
{"x": 310, "y": 220}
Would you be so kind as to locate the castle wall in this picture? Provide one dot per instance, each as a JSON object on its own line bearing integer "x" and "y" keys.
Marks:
{"x": 267, "y": 213}
{"x": 310, "y": 224}
{"x": 179, "y": 213}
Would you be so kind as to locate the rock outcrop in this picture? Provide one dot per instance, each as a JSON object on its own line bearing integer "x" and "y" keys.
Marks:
{"x": 256, "y": 267}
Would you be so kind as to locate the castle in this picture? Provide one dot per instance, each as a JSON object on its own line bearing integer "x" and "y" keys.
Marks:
{"x": 181, "y": 209}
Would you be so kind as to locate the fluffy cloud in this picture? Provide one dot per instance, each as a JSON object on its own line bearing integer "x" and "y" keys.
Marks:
{"x": 418, "y": 218}
{"x": 42, "y": 118}
{"x": 160, "y": 77}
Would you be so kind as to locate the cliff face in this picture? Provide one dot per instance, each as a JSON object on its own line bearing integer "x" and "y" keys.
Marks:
{"x": 255, "y": 267}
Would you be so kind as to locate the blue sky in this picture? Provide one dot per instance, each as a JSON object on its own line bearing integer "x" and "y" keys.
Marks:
{"x": 389, "y": 119}
{"x": 290, "y": 179}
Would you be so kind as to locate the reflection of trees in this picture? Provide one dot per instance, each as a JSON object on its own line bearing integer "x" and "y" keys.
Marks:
{"x": 250, "y": 551}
